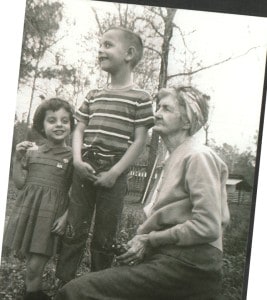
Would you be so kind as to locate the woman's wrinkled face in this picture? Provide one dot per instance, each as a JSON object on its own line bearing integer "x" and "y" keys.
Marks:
{"x": 168, "y": 120}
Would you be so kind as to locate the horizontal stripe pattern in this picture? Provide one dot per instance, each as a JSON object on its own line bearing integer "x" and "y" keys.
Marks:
{"x": 111, "y": 117}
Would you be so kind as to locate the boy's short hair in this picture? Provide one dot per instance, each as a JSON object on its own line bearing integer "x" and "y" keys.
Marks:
{"x": 53, "y": 104}
{"x": 134, "y": 40}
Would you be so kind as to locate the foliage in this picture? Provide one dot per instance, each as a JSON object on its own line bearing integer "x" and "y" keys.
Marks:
{"x": 42, "y": 19}
{"x": 242, "y": 163}
{"x": 20, "y": 130}
{"x": 235, "y": 249}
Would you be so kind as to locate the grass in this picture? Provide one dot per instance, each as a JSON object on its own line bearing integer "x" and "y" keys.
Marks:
{"x": 12, "y": 270}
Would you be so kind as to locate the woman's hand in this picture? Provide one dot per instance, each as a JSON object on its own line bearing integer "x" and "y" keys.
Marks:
{"x": 137, "y": 248}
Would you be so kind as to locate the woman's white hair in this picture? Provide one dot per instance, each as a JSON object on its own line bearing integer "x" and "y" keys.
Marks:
{"x": 196, "y": 105}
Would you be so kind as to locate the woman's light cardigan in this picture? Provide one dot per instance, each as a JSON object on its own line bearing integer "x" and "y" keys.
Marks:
{"x": 191, "y": 204}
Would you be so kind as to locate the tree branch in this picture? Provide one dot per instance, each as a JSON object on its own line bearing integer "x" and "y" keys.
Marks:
{"x": 182, "y": 36}
{"x": 126, "y": 14}
{"x": 155, "y": 28}
{"x": 156, "y": 11}
{"x": 212, "y": 65}
{"x": 162, "y": 14}
{"x": 154, "y": 50}
{"x": 97, "y": 20}
{"x": 120, "y": 14}
{"x": 152, "y": 25}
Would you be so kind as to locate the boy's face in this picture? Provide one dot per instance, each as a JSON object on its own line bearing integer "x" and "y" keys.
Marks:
{"x": 112, "y": 51}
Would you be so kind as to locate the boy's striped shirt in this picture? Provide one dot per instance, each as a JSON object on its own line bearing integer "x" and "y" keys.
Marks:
{"x": 111, "y": 117}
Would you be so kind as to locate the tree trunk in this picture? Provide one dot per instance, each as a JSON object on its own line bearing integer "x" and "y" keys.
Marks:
{"x": 27, "y": 133}
{"x": 163, "y": 77}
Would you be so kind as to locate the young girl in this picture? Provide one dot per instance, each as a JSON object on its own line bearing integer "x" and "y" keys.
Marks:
{"x": 43, "y": 176}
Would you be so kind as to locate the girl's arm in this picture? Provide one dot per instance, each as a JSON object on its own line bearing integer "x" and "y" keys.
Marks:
{"x": 20, "y": 174}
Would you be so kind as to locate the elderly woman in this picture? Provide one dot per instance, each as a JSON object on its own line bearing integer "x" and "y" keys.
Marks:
{"x": 177, "y": 252}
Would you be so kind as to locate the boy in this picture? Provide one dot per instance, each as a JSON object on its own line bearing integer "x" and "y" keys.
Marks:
{"x": 110, "y": 134}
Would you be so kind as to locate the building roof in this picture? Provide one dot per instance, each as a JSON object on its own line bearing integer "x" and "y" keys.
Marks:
{"x": 239, "y": 182}
{"x": 231, "y": 181}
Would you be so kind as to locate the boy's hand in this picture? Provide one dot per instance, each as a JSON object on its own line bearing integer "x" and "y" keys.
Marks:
{"x": 22, "y": 148}
{"x": 85, "y": 170}
{"x": 106, "y": 179}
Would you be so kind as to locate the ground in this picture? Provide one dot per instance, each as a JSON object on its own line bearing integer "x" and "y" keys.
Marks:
{"x": 12, "y": 270}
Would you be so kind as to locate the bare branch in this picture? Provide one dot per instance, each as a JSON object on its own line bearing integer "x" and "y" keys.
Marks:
{"x": 154, "y": 27}
{"x": 154, "y": 10}
{"x": 182, "y": 36}
{"x": 212, "y": 65}
{"x": 154, "y": 50}
{"x": 126, "y": 14}
{"x": 157, "y": 11}
{"x": 161, "y": 13}
{"x": 97, "y": 20}
{"x": 120, "y": 14}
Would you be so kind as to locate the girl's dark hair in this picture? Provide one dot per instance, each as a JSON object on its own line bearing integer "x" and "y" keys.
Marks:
{"x": 53, "y": 104}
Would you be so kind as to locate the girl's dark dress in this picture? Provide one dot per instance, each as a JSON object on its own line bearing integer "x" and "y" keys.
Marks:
{"x": 42, "y": 200}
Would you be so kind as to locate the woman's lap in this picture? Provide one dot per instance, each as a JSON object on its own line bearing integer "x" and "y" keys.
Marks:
{"x": 161, "y": 277}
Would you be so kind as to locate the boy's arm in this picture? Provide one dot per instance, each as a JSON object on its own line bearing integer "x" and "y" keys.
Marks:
{"x": 77, "y": 141}
{"x": 132, "y": 152}
{"x": 107, "y": 179}
{"x": 83, "y": 168}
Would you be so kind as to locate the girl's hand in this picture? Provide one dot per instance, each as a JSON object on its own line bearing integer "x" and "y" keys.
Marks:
{"x": 106, "y": 179}
{"x": 60, "y": 225}
{"x": 137, "y": 248}
{"x": 22, "y": 148}
{"x": 85, "y": 170}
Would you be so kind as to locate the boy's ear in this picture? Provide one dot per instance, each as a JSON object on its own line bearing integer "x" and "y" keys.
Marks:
{"x": 130, "y": 54}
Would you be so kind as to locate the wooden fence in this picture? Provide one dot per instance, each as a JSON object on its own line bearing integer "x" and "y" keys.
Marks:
{"x": 137, "y": 179}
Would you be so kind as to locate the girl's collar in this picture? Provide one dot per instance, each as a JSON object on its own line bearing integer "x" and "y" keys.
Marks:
{"x": 56, "y": 149}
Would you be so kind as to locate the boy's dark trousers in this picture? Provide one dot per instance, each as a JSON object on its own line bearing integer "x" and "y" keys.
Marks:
{"x": 108, "y": 205}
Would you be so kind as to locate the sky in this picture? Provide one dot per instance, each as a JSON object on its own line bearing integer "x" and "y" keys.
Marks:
{"x": 236, "y": 86}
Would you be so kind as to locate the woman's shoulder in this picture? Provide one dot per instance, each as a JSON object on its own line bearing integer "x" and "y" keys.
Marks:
{"x": 202, "y": 152}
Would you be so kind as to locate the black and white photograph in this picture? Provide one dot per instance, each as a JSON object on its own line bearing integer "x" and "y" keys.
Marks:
{"x": 133, "y": 151}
